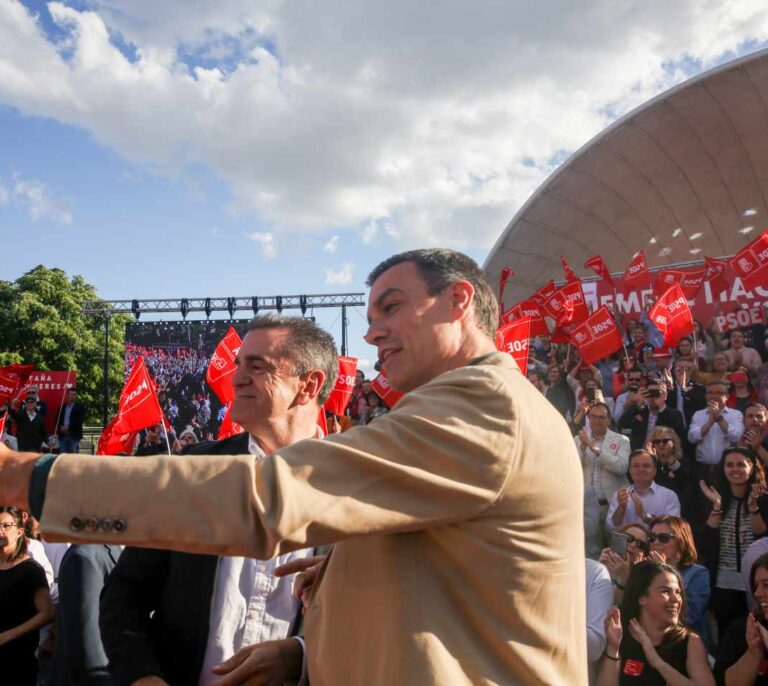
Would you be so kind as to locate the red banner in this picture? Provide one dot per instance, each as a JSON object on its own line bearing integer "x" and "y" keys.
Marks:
{"x": 528, "y": 308}
{"x": 8, "y": 387}
{"x": 229, "y": 427}
{"x": 597, "y": 265}
{"x": 672, "y": 315}
{"x": 389, "y": 396}
{"x": 597, "y": 337}
{"x": 222, "y": 366}
{"x": 637, "y": 274}
{"x": 751, "y": 263}
{"x": 514, "y": 338}
{"x": 739, "y": 319}
{"x": 342, "y": 392}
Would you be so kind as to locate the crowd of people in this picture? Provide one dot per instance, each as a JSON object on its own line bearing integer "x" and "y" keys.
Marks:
{"x": 673, "y": 444}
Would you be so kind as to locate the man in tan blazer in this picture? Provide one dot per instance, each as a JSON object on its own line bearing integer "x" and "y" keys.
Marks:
{"x": 459, "y": 555}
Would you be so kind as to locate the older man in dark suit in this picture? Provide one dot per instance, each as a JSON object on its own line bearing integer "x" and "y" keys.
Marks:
{"x": 649, "y": 410}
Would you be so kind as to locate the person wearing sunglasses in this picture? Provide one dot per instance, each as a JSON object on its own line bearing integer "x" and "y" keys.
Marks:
{"x": 25, "y": 602}
{"x": 738, "y": 516}
{"x": 665, "y": 444}
{"x": 619, "y": 567}
{"x": 671, "y": 541}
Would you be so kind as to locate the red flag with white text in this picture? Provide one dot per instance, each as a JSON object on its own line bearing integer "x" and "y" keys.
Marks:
{"x": 569, "y": 274}
{"x": 222, "y": 367}
{"x": 528, "y": 308}
{"x": 597, "y": 265}
{"x": 715, "y": 274}
{"x": 515, "y": 338}
{"x": 139, "y": 406}
{"x": 342, "y": 391}
{"x": 597, "y": 337}
{"x": 544, "y": 293}
{"x": 637, "y": 274}
{"x": 751, "y": 263}
{"x": 564, "y": 323}
{"x": 672, "y": 315}
{"x": 111, "y": 443}
{"x": 229, "y": 427}
{"x": 572, "y": 292}
{"x": 389, "y": 396}
{"x": 9, "y": 385}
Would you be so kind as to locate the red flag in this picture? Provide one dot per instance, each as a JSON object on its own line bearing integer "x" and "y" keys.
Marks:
{"x": 111, "y": 443}
{"x": 222, "y": 366}
{"x": 8, "y": 386}
{"x": 751, "y": 263}
{"x": 505, "y": 274}
{"x": 515, "y": 338}
{"x": 637, "y": 274}
{"x": 715, "y": 275}
{"x": 389, "y": 396}
{"x": 666, "y": 278}
{"x": 672, "y": 315}
{"x": 692, "y": 281}
{"x": 528, "y": 308}
{"x": 597, "y": 337}
{"x": 597, "y": 265}
{"x": 2, "y": 423}
{"x": 573, "y": 292}
{"x": 569, "y": 275}
{"x": 229, "y": 427}
{"x": 342, "y": 392}
{"x": 138, "y": 407}
{"x": 544, "y": 293}
{"x": 564, "y": 324}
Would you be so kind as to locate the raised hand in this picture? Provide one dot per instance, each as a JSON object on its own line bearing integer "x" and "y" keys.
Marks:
{"x": 756, "y": 643}
{"x": 613, "y": 631}
{"x": 712, "y": 495}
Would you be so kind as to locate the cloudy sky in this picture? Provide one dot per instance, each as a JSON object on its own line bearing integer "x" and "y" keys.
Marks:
{"x": 245, "y": 147}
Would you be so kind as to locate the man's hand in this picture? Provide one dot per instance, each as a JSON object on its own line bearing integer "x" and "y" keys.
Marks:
{"x": 271, "y": 663}
{"x": 15, "y": 474}
{"x": 309, "y": 568}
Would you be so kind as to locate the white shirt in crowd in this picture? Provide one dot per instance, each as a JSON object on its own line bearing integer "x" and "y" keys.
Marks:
{"x": 599, "y": 601}
{"x": 657, "y": 501}
{"x": 250, "y": 604}
{"x": 709, "y": 448}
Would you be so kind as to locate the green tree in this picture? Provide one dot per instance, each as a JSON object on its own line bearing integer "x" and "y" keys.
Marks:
{"x": 42, "y": 321}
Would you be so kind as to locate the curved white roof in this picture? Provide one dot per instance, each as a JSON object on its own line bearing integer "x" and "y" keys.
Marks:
{"x": 683, "y": 176}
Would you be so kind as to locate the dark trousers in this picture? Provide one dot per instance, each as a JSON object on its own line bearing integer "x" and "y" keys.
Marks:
{"x": 727, "y": 605}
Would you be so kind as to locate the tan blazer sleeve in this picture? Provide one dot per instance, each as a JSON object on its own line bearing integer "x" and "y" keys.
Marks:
{"x": 443, "y": 455}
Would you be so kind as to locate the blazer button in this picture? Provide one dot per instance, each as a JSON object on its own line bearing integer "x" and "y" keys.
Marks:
{"x": 91, "y": 525}
{"x": 105, "y": 525}
{"x": 76, "y": 524}
{"x": 119, "y": 525}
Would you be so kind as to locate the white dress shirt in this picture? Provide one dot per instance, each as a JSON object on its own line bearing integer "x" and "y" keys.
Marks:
{"x": 657, "y": 501}
{"x": 709, "y": 448}
{"x": 250, "y": 604}
{"x": 599, "y": 601}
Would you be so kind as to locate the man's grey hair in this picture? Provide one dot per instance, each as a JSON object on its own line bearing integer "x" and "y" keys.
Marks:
{"x": 441, "y": 268}
{"x": 307, "y": 346}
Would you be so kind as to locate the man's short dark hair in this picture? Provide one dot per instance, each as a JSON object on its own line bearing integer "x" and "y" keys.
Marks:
{"x": 308, "y": 347}
{"x": 441, "y": 268}
{"x": 600, "y": 405}
{"x": 661, "y": 383}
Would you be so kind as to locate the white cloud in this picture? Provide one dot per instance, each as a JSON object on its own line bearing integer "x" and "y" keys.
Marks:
{"x": 332, "y": 245}
{"x": 342, "y": 275}
{"x": 423, "y": 127}
{"x": 267, "y": 243}
{"x": 33, "y": 196}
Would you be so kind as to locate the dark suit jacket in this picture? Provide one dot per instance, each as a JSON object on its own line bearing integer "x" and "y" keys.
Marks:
{"x": 30, "y": 434}
{"x": 636, "y": 419}
{"x": 694, "y": 399}
{"x": 178, "y": 588}
{"x": 79, "y": 657}
{"x": 76, "y": 419}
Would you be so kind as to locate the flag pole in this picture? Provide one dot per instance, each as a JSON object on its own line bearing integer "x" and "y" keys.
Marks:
{"x": 167, "y": 434}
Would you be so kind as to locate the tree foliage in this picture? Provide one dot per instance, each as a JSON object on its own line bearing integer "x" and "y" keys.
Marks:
{"x": 41, "y": 321}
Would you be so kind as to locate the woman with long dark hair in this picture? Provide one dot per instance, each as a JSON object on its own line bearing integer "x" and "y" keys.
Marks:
{"x": 25, "y": 602}
{"x": 647, "y": 642}
{"x": 738, "y": 516}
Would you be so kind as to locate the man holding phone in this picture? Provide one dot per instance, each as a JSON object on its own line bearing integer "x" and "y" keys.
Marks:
{"x": 649, "y": 410}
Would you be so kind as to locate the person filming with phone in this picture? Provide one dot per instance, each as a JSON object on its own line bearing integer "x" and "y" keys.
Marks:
{"x": 648, "y": 410}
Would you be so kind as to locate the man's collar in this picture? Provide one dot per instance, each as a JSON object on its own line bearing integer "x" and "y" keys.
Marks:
{"x": 255, "y": 449}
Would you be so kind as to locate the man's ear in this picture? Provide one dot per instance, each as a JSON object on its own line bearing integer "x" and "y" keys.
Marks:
{"x": 462, "y": 297}
{"x": 312, "y": 384}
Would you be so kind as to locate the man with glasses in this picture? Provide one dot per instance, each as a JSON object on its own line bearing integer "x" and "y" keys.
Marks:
{"x": 649, "y": 410}
{"x": 685, "y": 395}
{"x": 636, "y": 380}
{"x": 604, "y": 460}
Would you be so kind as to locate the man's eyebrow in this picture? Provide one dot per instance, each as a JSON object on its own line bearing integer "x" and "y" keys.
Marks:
{"x": 250, "y": 359}
{"x": 383, "y": 296}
